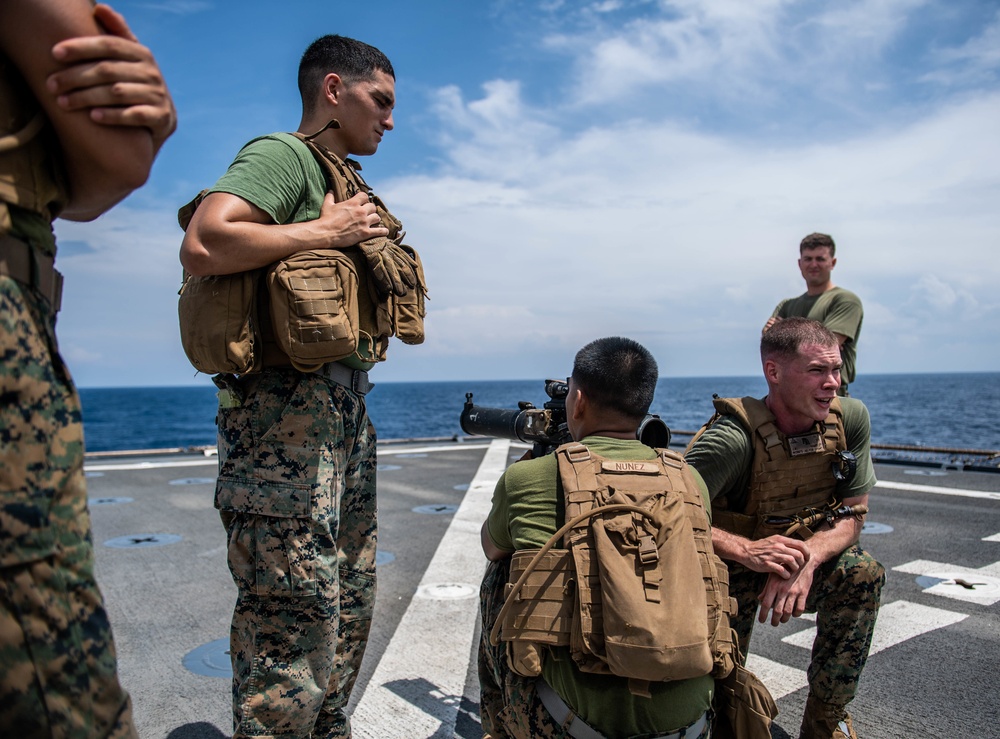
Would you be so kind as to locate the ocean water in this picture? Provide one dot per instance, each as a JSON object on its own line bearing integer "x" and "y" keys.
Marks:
{"x": 958, "y": 410}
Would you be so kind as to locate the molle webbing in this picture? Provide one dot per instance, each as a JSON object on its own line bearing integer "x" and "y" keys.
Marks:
{"x": 345, "y": 181}
{"x": 555, "y": 595}
{"x": 782, "y": 482}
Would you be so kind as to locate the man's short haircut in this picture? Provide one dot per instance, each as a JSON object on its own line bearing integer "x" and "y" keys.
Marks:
{"x": 351, "y": 59}
{"x": 617, "y": 374}
{"x": 817, "y": 240}
{"x": 784, "y": 338}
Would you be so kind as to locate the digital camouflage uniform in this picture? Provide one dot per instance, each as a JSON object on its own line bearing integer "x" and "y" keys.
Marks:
{"x": 845, "y": 596}
{"x": 296, "y": 492}
{"x": 58, "y": 676}
{"x": 846, "y": 591}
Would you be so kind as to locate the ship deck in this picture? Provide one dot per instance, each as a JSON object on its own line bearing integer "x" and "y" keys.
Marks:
{"x": 161, "y": 564}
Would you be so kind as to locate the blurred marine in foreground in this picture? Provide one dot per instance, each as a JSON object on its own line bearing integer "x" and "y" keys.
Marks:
{"x": 83, "y": 112}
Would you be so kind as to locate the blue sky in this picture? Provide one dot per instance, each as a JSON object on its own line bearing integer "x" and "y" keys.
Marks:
{"x": 570, "y": 170}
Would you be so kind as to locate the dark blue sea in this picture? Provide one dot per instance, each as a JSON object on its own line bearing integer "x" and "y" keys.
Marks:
{"x": 959, "y": 410}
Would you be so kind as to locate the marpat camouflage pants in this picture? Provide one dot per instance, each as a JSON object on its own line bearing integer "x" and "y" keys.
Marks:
{"x": 57, "y": 660}
{"x": 845, "y": 597}
{"x": 296, "y": 493}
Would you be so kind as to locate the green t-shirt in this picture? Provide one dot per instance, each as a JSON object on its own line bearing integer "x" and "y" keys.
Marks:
{"x": 723, "y": 456}
{"x": 279, "y": 175}
{"x": 526, "y": 509}
{"x": 840, "y": 311}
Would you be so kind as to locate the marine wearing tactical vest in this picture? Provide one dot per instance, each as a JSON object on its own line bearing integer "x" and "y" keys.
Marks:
{"x": 59, "y": 674}
{"x": 314, "y": 307}
{"x": 789, "y": 478}
{"x": 606, "y": 612}
{"x": 296, "y": 277}
{"x": 790, "y": 474}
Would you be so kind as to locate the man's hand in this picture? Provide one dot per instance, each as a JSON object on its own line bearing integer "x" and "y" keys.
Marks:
{"x": 349, "y": 222}
{"x": 779, "y": 556}
{"x": 114, "y": 77}
{"x": 770, "y": 322}
{"x": 784, "y": 598}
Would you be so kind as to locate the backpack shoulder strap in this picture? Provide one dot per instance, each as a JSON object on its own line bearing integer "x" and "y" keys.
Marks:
{"x": 339, "y": 182}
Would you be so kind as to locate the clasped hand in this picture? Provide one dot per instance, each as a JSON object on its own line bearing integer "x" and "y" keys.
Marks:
{"x": 787, "y": 562}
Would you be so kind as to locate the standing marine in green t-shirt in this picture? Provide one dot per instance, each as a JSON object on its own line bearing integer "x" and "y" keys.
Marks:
{"x": 296, "y": 487}
{"x": 836, "y": 308}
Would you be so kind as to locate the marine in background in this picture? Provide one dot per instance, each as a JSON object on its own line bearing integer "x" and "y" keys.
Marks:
{"x": 769, "y": 464}
{"x": 836, "y": 308}
{"x": 83, "y": 112}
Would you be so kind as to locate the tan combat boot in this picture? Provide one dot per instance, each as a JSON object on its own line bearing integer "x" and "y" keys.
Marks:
{"x": 825, "y": 721}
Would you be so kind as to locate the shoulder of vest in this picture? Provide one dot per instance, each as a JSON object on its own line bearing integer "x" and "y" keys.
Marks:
{"x": 750, "y": 412}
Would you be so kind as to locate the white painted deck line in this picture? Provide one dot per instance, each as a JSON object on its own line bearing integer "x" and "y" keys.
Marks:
{"x": 911, "y": 487}
{"x": 781, "y": 680}
{"x": 897, "y": 622}
{"x": 417, "y": 686}
{"x": 213, "y": 461}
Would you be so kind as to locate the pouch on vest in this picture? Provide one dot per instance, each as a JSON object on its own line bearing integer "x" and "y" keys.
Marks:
{"x": 218, "y": 316}
{"x": 314, "y": 307}
{"x": 651, "y": 585}
{"x": 408, "y": 310}
{"x": 218, "y": 321}
{"x": 744, "y": 707}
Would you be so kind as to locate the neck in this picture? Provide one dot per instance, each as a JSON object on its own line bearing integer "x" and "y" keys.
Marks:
{"x": 820, "y": 289}
{"x": 790, "y": 424}
{"x": 627, "y": 435}
{"x": 328, "y": 135}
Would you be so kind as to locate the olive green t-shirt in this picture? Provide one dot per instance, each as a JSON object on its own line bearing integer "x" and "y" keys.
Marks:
{"x": 723, "y": 456}
{"x": 526, "y": 509}
{"x": 278, "y": 174}
{"x": 840, "y": 311}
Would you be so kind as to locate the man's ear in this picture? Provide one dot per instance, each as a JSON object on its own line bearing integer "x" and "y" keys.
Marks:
{"x": 772, "y": 371}
{"x": 333, "y": 85}
{"x": 580, "y": 405}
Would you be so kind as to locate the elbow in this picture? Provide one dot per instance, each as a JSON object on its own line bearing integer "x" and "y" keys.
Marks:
{"x": 87, "y": 202}
{"x": 195, "y": 259}
{"x": 196, "y": 265}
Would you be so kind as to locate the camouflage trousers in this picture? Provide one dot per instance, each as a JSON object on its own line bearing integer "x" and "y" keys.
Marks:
{"x": 296, "y": 493}
{"x": 58, "y": 675}
{"x": 845, "y": 597}
{"x": 509, "y": 706}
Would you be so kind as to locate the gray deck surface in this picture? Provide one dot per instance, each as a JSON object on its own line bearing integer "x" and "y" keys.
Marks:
{"x": 170, "y": 597}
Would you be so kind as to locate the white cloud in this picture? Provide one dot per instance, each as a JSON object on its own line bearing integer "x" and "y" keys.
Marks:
{"x": 654, "y": 181}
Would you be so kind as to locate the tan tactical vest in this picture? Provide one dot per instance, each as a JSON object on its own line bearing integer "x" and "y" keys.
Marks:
{"x": 789, "y": 473}
{"x": 344, "y": 178}
{"x": 29, "y": 176}
{"x": 323, "y": 301}
{"x": 625, "y": 592}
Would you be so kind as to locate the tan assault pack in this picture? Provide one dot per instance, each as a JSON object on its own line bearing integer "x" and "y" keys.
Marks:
{"x": 637, "y": 591}
{"x": 312, "y": 307}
